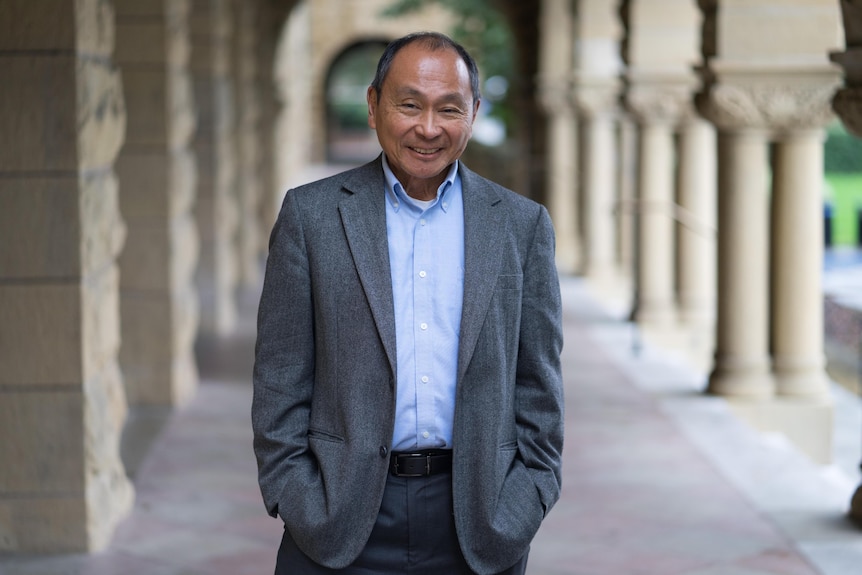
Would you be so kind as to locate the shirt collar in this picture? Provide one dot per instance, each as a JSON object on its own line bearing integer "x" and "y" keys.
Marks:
{"x": 396, "y": 195}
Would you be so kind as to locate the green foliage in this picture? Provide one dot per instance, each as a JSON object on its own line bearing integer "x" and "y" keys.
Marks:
{"x": 479, "y": 27}
{"x": 845, "y": 198}
{"x": 482, "y": 30}
{"x": 842, "y": 151}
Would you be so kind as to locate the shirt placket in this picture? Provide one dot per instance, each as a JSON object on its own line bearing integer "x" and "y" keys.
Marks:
{"x": 424, "y": 331}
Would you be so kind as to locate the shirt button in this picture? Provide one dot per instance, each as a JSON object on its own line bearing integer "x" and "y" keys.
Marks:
{"x": 422, "y": 274}
{"x": 422, "y": 221}
{"x": 426, "y": 435}
{"x": 424, "y": 379}
{"x": 384, "y": 451}
{"x": 423, "y": 325}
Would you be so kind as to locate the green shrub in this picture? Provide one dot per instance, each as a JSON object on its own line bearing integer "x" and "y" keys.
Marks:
{"x": 842, "y": 151}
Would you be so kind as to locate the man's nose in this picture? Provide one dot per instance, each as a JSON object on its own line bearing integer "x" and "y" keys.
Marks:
{"x": 429, "y": 125}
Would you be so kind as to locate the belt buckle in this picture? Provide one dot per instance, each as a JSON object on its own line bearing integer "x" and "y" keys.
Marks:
{"x": 427, "y": 465}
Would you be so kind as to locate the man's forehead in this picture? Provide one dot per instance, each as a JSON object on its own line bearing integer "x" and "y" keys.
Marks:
{"x": 405, "y": 64}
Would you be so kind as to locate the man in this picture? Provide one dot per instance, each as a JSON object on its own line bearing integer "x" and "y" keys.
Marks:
{"x": 408, "y": 403}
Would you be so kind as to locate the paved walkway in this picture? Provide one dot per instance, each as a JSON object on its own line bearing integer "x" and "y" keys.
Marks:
{"x": 659, "y": 479}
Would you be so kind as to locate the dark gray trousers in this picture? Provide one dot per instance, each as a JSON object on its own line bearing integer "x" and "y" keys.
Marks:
{"x": 414, "y": 535}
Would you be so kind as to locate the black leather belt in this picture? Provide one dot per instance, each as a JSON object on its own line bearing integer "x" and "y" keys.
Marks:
{"x": 420, "y": 463}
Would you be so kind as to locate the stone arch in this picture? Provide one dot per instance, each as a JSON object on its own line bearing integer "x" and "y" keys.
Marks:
{"x": 348, "y": 137}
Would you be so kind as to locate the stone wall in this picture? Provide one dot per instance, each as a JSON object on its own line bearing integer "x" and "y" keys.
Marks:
{"x": 62, "y": 403}
{"x": 217, "y": 206}
{"x": 157, "y": 174}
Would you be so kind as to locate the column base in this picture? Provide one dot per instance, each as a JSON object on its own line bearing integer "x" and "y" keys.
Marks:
{"x": 695, "y": 344}
{"x": 654, "y": 314}
{"x": 753, "y": 381}
{"x": 807, "y": 424}
{"x": 802, "y": 379}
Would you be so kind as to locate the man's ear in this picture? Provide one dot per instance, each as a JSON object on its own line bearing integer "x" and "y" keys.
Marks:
{"x": 371, "y": 98}
{"x": 475, "y": 110}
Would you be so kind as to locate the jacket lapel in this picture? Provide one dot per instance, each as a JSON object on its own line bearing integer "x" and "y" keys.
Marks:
{"x": 363, "y": 215}
{"x": 484, "y": 228}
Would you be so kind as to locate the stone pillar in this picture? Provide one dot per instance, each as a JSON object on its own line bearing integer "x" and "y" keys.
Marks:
{"x": 596, "y": 86}
{"x": 696, "y": 215}
{"x": 556, "y": 54}
{"x": 626, "y": 183}
{"x": 270, "y": 23}
{"x": 156, "y": 169}
{"x": 248, "y": 142}
{"x": 217, "y": 207}
{"x": 298, "y": 131}
{"x": 848, "y": 104}
{"x": 598, "y": 171}
{"x": 656, "y": 111}
{"x": 62, "y": 406}
{"x": 661, "y": 53}
{"x": 761, "y": 88}
{"x": 797, "y": 250}
{"x": 742, "y": 363}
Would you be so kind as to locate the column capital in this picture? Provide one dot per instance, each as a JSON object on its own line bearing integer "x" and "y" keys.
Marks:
{"x": 847, "y": 103}
{"x": 770, "y": 105}
{"x": 596, "y": 96}
{"x": 555, "y": 94}
{"x": 660, "y": 102}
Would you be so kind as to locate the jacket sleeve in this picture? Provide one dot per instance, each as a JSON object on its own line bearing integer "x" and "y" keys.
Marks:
{"x": 284, "y": 360}
{"x": 539, "y": 386}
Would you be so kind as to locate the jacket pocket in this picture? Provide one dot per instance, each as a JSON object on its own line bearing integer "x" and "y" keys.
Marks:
{"x": 314, "y": 433}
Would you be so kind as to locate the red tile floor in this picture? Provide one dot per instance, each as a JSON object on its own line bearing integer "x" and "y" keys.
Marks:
{"x": 658, "y": 478}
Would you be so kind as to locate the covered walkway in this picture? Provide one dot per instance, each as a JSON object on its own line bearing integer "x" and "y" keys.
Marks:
{"x": 659, "y": 479}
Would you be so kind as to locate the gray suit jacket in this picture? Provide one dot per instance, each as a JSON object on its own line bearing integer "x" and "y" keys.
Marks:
{"x": 324, "y": 373}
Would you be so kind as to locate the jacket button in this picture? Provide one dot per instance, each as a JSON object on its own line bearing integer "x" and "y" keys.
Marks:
{"x": 384, "y": 451}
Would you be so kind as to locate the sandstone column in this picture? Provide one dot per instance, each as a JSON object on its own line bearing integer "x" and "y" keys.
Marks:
{"x": 762, "y": 89}
{"x": 654, "y": 294}
{"x": 248, "y": 141}
{"x": 270, "y": 22}
{"x": 62, "y": 405}
{"x": 556, "y": 53}
{"x": 797, "y": 248}
{"x": 597, "y": 105}
{"x": 217, "y": 206}
{"x": 661, "y": 53}
{"x": 596, "y": 85}
{"x": 156, "y": 168}
{"x": 696, "y": 214}
{"x": 626, "y": 182}
{"x": 742, "y": 363}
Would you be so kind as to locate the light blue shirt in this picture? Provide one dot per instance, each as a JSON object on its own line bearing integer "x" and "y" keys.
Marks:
{"x": 426, "y": 255}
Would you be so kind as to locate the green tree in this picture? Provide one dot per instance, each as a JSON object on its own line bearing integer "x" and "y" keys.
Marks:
{"x": 482, "y": 30}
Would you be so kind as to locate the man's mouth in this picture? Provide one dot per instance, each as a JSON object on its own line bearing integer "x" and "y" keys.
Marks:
{"x": 426, "y": 151}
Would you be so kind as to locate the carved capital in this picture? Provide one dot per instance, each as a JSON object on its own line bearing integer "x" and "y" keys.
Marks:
{"x": 596, "y": 98}
{"x": 555, "y": 94}
{"x": 659, "y": 103}
{"x": 769, "y": 106}
{"x": 847, "y": 104}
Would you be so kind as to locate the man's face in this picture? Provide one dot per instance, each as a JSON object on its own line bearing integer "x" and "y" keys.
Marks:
{"x": 425, "y": 114}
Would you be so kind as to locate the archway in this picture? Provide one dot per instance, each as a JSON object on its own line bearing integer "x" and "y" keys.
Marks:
{"x": 349, "y": 140}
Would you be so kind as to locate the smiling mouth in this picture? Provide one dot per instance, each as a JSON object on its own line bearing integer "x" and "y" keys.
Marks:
{"x": 426, "y": 151}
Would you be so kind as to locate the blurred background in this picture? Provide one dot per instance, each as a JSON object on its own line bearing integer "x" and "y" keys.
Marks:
{"x": 701, "y": 161}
